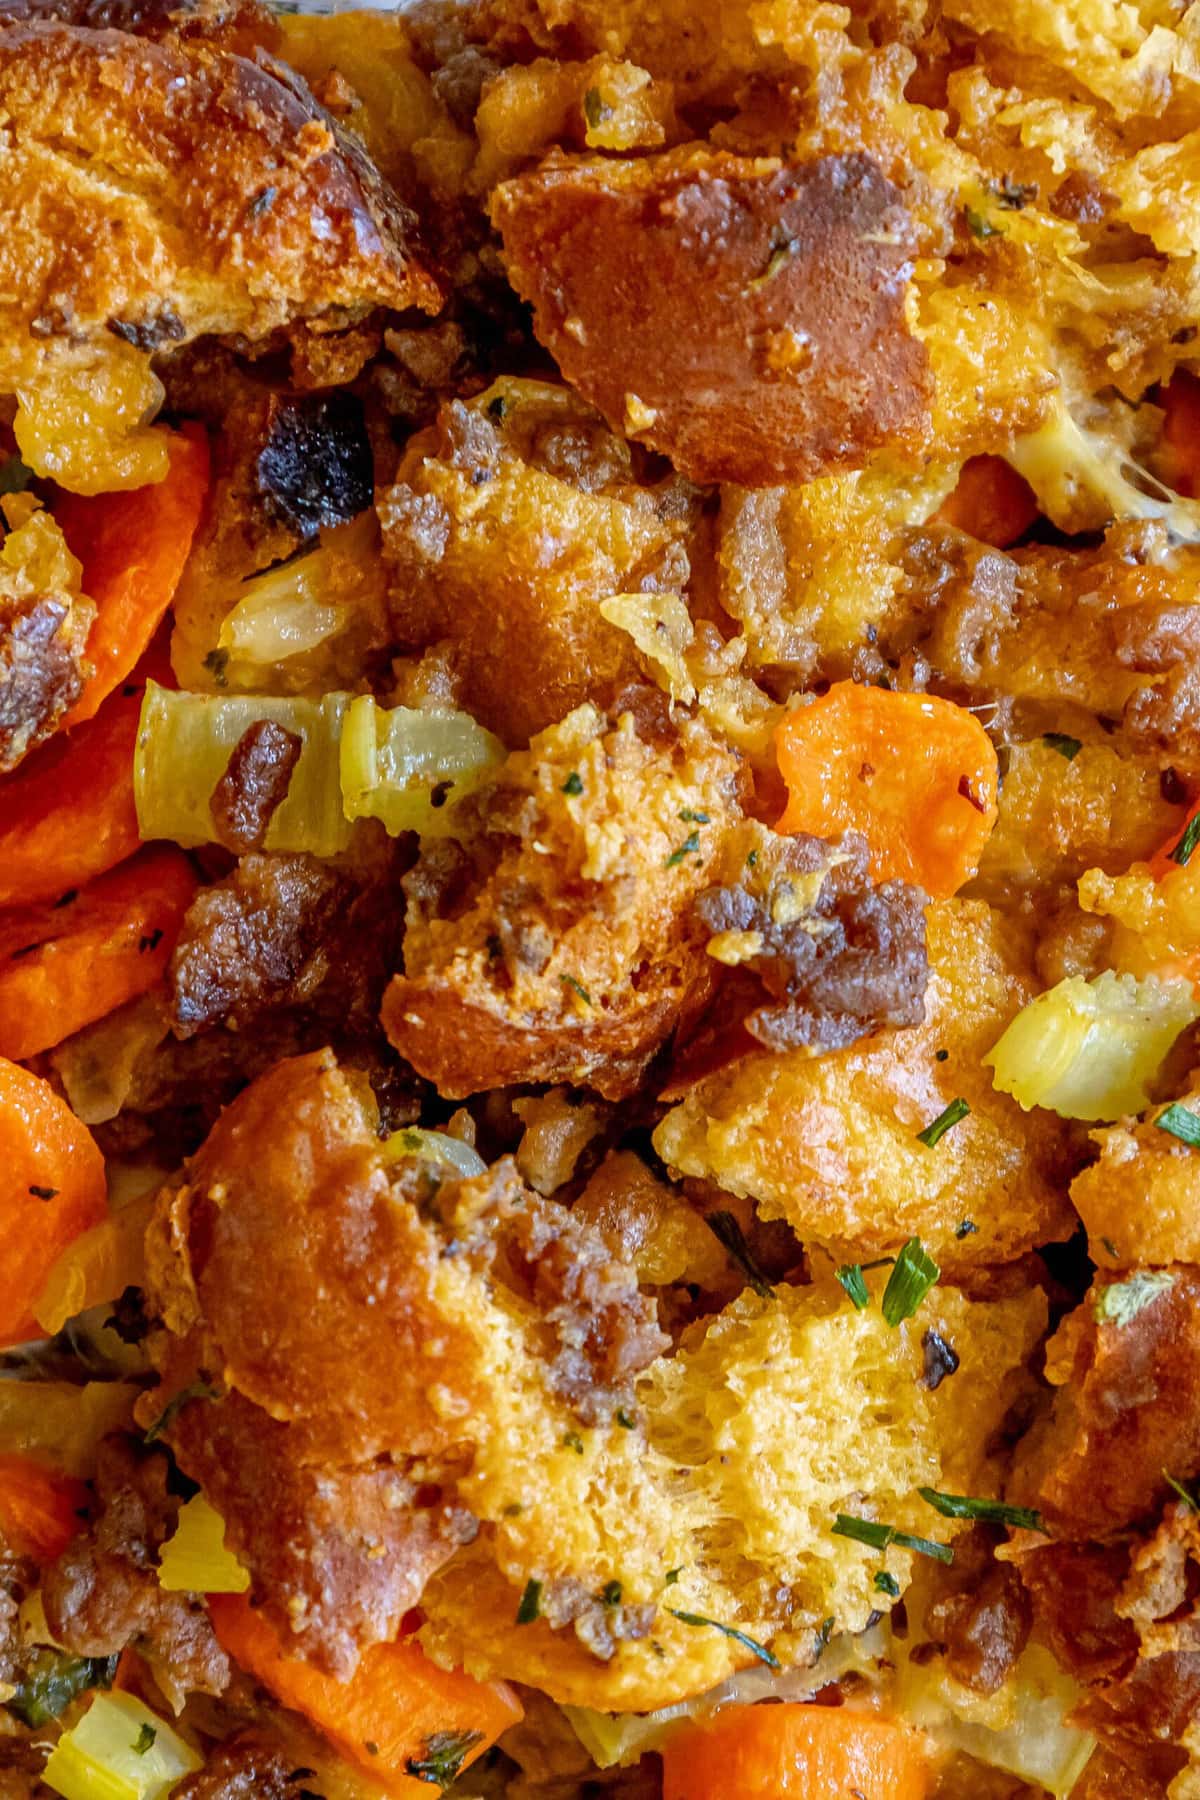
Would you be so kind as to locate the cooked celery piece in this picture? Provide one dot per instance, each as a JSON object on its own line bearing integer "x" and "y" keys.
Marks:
{"x": 282, "y": 614}
{"x": 435, "y": 1146}
{"x": 1089, "y": 1049}
{"x": 195, "y": 1560}
{"x": 397, "y": 761}
{"x": 184, "y": 742}
{"x": 119, "y": 1750}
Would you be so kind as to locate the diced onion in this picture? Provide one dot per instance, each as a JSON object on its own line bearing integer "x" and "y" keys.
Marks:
{"x": 184, "y": 743}
{"x": 119, "y": 1750}
{"x": 1090, "y": 1049}
{"x": 194, "y": 1560}
{"x": 98, "y": 1266}
{"x": 436, "y": 1146}
{"x": 396, "y": 762}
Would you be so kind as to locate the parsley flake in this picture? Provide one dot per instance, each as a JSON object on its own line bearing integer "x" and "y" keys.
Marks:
{"x": 729, "y": 1631}
{"x": 672, "y": 1576}
{"x": 531, "y": 1603}
{"x": 145, "y": 1740}
{"x": 689, "y": 847}
{"x": 937, "y": 1128}
{"x": 909, "y": 1282}
{"x": 979, "y": 225}
{"x": 610, "y": 1593}
{"x": 1066, "y": 746}
{"x": 441, "y": 1761}
{"x": 573, "y": 785}
{"x": 625, "y": 1419}
{"x": 1180, "y": 1121}
{"x": 573, "y": 1441}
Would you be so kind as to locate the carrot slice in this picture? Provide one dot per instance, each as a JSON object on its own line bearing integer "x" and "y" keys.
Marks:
{"x": 397, "y": 1702}
{"x": 39, "y": 1508}
{"x": 794, "y": 1752}
{"x": 917, "y": 776}
{"x": 68, "y": 812}
{"x": 63, "y": 966}
{"x": 133, "y": 547}
{"x": 51, "y": 1190}
{"x": 991, "y": 501}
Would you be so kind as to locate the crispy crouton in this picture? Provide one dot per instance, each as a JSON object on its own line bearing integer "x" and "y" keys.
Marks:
{"x": 568, "y": 952}
{"x": 1140, "y": 1199}
{"x": 830, "y": 1143}
{"x": 213, "y": 196}
{"x": 746, "y": 318}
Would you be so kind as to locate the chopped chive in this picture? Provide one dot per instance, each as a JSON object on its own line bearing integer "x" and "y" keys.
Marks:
{"x": 937, "y": 1128}
{"x": 1066, "y": 746}
{"x": 1181, "y": 1122}
{"x": 573, "y": 785}
{"x": 991, "y": 1512}
{"x": 196, "y": 1390}
{"x": 729, "y": 1631}
{"x": 672, "y": 1576}
{"x": 690, "y": 817}
{"x": 610, "y": 1593}
{"x": 1111, "y": 1248}
{"x": 576, "y": 987}
{"x": 1178, "y": 1488}
{"x": 979, "y": 225}
{"x": 625, "y": 1419}
{"x": 729, "y": 1234}
{"x": 531, "y": 1603}
{"x": 1182, "y": 853}
{"x": 880, "y": 1537}
{"x": 909, "y": 1282}
{"x": 596, "y": 108}
{"x": 851, "y": 1277}
{"x": 689, "y": 847}
{"x": 886, "y": 1584}
{"x": 824, "y": 1633}
{"x": 573, "y": 1441}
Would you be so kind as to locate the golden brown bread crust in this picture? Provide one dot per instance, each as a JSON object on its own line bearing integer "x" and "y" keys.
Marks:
{"x": 240, "y": 25}
{"x": 744, "y": 317}
{"x": 153, "y": 194}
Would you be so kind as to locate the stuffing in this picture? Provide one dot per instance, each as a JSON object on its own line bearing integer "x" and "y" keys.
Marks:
{"x": 557, "y": 944}
{"x": 1140, "y": 1199}
{"x": 505, "y": 529}
{"x": 44, "y": 626}
{"x": 1125, "y": 1366}
{"x": 830, "y": 1143}
{"x": 745, "y": 319}
{"x": 214, "y": 197}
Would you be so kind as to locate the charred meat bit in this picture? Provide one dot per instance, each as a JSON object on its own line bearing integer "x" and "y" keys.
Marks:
{"x": 245, "y": 1767}
{"x": 256, "y": 780}
{"x": 315, "y": 467}
{"x": 747, "y": 321}
{"x": 41, "y": 670}
{"x": 941, "y": 1360}
{"x": 982, "y": 1613}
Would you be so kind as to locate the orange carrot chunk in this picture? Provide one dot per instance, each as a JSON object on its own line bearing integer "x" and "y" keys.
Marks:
{"x": 398, "y": 1717}
{"x": 991, "y": 501}
{"x": 39, "y": 1508}
{"x": 68, "y": 812}
{"x": 917, "y": 776}
{"x": 794, "y": 1752}
{"x": 65, "y": 965}
{"x": 51, "y": 1190}
{"x": 133, "y": 547}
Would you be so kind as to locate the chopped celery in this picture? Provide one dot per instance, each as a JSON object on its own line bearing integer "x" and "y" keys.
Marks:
{"x": 195, "y": 1560}
{"x": 119, "y": 1750}
{"x": 408, "y": 767}
{"x": 435, "y": 1146}
{"x": 184, "y": 742}
{"x": 1089, "y": 1049}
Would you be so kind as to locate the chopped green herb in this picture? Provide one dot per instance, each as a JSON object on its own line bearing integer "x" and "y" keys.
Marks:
{"x": 824, "y": 1633}
{"x": 752, "y": 860}
{"x": 911, "y": 1279}
{"x": 1180, "y": 1121}
{"x": 610, "y": 1593}
{"x": 693, "y": 818}
{"x": 729, "y": 1631}
{"x": 1124, "y": 1300}
{"x": 991, "y": 1512}
{"x": 145, "y": 1740}
{"x": 689, "y": 847}
{"x": 979, "y": 225}
{"x": 196, "y": 1390}
{"x": 573, "y": 1441}
{"x": 851, "y": 1277}
{"x": 937, "y": 1128}
{"x": 964, "y": 1228}
{"x": 51, "y": 1679}
{"x": 441, "y": 1761}
{"x": 1182, "y": 853}
{"x": 216, "y": 662}
{"x": 576, "y": 987}
{"x": 595, "y": 108}
{"x": 1178, "y": 1487}
{"x": 1066, "y": 746}
{"x": 573, "y": 785}
{"x": 879, "y": 1537}
{"x": 886, "y": 1584}
{"x": 625, "y": 1419}
{"x": 1111, "y": 1248}
{"x": 531, "y": 1603}
{"x": 672, "y": 1576}
{"x": 14, "y": 476}
{"x": 728, "y": 1232}
{"x": 1014, "y": 194}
